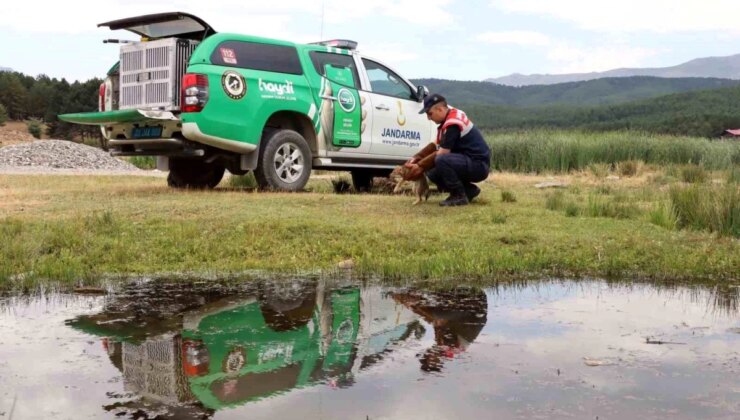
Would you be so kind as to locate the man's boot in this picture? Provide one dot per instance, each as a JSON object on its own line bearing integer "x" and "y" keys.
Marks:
{"x": 455, "y": 199}
{"x": 471, "y": 191}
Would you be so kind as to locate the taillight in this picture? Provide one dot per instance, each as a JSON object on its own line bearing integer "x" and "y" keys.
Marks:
{"x": 194, "y": 92}
{"x": 195, "y": 358}
{"x": 101, "y": 97}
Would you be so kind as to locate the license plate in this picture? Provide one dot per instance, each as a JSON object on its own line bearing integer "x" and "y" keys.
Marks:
{"x": 146, "y": 132}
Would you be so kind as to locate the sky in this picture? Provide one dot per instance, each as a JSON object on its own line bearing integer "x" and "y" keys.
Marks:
{"x": 449, "y": 39}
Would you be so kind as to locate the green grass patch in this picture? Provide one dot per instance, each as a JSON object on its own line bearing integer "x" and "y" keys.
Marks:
{"x": 711, "y": 208}
{"x": 508, "y": 197}
{"x": 66, "y": 229}
{"x": 143, "y": 162}
{"x": 664, "y": 216}
{"x": 693, "y": 174}
{"x": 599, "y": 170}
{"x": 617, "y": 207}
{"x": 733, "y": 175}
{"x": 555, "y": 201}
{"x": 243, "y": 181}
{"x": 572, "y": 209}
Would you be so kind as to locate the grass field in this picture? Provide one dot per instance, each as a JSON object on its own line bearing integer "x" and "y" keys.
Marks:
{"x": 76, "y": 229}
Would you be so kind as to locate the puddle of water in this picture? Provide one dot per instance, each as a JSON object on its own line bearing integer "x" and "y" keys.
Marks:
{"x": 330, "y": 350}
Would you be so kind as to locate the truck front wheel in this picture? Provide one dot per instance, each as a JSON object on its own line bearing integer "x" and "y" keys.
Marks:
{"x": 284, "y": 161}
{"x": 194, "y": 173}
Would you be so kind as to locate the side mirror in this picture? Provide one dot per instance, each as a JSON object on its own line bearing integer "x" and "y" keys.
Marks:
{"x": 422, "y": 92}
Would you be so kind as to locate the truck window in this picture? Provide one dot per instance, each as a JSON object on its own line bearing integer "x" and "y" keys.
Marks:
{"x": 256, "y": 56}
{"x": 386, "y": 82}
{"x": 321, "y": 59}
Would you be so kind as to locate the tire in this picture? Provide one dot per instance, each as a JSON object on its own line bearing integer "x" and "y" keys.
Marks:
{"x": 194, "y": 173}
{"x": 284, "y": 162}
{"x": 362, "y": 180}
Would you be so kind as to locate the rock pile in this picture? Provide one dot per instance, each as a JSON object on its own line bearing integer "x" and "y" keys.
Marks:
{"x": 60, "y": 154}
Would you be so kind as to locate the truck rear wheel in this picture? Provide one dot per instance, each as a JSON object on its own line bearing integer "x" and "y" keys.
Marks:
{"x": 194, "y": 173}
{"x": 284, "y": 162}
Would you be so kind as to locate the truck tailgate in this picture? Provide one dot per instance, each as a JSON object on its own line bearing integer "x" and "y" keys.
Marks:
{"x": 118, "y": 117}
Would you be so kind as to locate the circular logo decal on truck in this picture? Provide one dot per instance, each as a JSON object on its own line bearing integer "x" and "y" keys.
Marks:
{"x": 346, "y": 100}
{"x": 234, "y": 84}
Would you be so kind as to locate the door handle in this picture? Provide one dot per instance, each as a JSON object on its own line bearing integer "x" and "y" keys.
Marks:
{"x": 331, "y": 98}
{"x": 383, "y": 107}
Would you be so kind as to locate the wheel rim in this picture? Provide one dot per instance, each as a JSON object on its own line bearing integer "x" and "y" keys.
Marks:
{"x": 288, "y": 163}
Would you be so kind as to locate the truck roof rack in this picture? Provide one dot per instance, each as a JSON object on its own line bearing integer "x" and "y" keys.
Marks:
{"x": 344, "y": 44}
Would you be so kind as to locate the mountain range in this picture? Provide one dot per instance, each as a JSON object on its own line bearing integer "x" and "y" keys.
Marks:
{"x": 605, "y": 91}
{"x": 714, "y": 67}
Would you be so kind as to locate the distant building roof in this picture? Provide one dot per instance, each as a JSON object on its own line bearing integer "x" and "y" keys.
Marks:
{"x": 734, "y": 132}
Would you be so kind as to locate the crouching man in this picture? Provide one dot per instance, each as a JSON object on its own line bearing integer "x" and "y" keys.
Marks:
{"x": 458, "y": 158}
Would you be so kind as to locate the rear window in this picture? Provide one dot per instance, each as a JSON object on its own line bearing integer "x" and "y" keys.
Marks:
{"x": 255, "y": 56}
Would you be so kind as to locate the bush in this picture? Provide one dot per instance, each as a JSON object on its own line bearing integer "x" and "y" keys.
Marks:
{"x": 599, "y": 170}
{"x": 693, "y": 174}
{"x": 243, "y": 181}
{"x": 664, "y": 216}
{"x": 34, "y": 127}
{"x": 572, "y": 209}
{"x": 3, "y": 115}
{"x": 629, "y": 167}
{"x": 716, "y": 209}
{"x": 508, "y": 197}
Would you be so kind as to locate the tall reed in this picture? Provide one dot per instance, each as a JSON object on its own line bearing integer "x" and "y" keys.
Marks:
{"x": 564, "y": 150}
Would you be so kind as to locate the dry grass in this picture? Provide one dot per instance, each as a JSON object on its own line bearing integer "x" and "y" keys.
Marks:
{"x": 14, "y": 132}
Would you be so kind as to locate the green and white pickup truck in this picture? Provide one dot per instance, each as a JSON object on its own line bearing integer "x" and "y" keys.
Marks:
{"x": 203, "y": 102}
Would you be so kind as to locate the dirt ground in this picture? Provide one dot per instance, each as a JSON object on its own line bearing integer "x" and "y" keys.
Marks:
{"x": 14, "y": 132}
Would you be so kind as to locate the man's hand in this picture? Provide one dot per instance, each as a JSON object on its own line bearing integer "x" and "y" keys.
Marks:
{"x": 415, "y": 172}
{"x": 411, "y": 162}
{"x": 443, "y": 151}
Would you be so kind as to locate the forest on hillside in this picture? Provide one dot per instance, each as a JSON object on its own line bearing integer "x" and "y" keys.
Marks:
{"x": 24, "y": 97}
{"x": 706, "y": 112}
{"x": 702, "y": 113}
{"x": 606, "y": 91}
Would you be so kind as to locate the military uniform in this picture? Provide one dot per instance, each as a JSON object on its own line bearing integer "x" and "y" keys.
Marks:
{"x": 469, "y": 158}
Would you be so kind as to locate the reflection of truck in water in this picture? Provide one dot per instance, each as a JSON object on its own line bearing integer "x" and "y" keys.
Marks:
{"x": 241, "y": 348}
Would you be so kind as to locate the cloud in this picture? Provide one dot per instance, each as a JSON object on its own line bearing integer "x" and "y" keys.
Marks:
{"x": 524, "y": 38}
{"x": 569, "y": 57}
{"x": 574, "y": 59}
{"x": 227, "y": 15}
{"x": 659, "y": 16}
{"x": 390, "y": 53}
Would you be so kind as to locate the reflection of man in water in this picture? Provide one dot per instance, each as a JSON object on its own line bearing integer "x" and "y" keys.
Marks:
{"x": 457, "y": 316}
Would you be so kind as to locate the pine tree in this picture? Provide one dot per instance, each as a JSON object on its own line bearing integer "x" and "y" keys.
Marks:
{"x": 13, "y": 95}
{"x": 3, "y": 115}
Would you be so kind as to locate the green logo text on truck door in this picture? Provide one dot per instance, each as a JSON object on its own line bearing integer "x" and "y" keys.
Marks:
{"x": 347, "y": 115}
